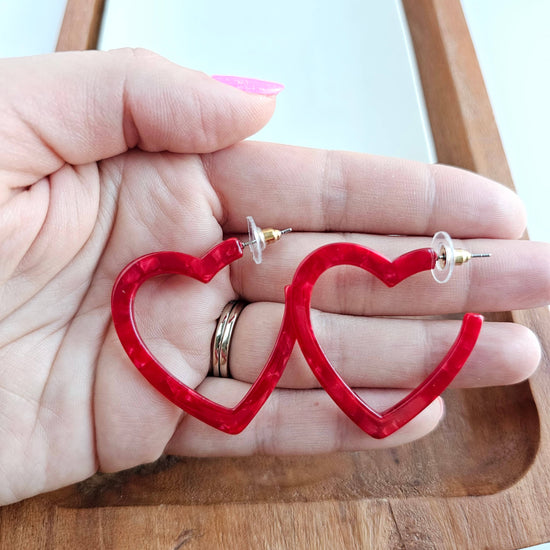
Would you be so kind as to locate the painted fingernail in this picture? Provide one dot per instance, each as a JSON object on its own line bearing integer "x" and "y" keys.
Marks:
{"x": 250, "y": 85}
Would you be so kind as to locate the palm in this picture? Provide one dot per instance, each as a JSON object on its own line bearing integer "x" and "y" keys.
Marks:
{"x": 67, "y": 308}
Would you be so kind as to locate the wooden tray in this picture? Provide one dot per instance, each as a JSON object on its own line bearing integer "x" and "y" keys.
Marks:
{"x": 479, "y": 481}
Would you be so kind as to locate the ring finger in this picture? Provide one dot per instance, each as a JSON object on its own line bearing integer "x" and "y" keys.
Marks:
{"x": 382, "y": 352}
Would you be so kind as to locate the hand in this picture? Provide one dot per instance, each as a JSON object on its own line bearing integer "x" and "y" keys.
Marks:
{"x": 108, "y": 156}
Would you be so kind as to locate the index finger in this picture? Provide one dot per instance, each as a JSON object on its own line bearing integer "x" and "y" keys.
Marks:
{"x": 314, "y": 190}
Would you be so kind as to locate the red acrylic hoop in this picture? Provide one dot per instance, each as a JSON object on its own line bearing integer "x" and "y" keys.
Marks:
{"x": 376, "y": 424}
{"x": 230, "y": 420}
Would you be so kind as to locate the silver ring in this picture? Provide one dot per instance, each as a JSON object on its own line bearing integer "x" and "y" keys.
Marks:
{"x": 222, "y": 338}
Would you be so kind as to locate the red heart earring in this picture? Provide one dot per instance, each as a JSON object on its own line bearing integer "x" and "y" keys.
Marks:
{"x": 230, "y": 420}
{"x": 296, "y": 325}
{"x": 441, "y": 259}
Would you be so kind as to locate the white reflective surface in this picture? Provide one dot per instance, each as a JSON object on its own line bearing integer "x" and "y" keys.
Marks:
{"x": 29, "y": 27}
{"x": 350, "y": 83}
{"x": 512, "y": 41}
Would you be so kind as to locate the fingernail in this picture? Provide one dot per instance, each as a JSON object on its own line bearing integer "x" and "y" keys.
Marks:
{"x": 250, "y": 85}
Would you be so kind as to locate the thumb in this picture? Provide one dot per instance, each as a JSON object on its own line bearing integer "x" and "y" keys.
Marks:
{"x": 80, "y": 107}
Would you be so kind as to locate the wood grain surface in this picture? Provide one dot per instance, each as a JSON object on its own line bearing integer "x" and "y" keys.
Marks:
{"x": 81, "y": 25}
{"x": 480, "y": 481}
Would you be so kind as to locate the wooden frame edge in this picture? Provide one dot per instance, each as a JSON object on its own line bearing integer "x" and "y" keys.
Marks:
{"x": 466, "y": 135}
{"x": 81, "y": 25}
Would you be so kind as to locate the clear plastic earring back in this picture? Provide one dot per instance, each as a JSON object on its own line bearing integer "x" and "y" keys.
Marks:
{"x": 259, "y": 238}
{"x": 443, "y": 245}
{"x": 256, "y": 240}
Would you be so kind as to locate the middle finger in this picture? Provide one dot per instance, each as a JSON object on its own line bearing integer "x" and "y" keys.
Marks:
{"x": 514, "y": 277}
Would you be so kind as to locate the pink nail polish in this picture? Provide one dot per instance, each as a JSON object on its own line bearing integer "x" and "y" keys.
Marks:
{"x": 250, "y": 85}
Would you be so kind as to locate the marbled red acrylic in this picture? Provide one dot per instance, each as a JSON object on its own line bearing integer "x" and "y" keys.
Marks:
{"x": 296, "y": 326}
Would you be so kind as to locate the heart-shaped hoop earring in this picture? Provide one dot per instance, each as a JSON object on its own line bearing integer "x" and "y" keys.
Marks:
{"x": 376, "y": 424}
{"x": 231, "y": 420}
{"x": 296, "y": 325}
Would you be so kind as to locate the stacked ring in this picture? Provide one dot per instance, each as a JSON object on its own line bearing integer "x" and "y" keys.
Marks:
{"x": 222, "y": 338}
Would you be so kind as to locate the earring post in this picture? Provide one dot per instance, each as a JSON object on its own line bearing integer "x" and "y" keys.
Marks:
{"x": 269, "y": 236}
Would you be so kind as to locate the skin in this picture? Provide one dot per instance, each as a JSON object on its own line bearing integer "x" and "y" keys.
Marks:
{"x": 108, "y": 156}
